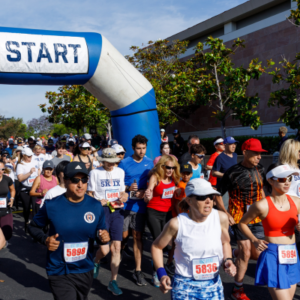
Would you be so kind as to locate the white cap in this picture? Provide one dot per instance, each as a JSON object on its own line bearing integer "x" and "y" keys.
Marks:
{"x": 85, "y": 145}
{"x": 33, "y": 137}
{"x": 199, "y": 187}
{"x": 38, "y": 139}
{"x": 118, "y": 148}
{"x": 87, "y": 136}
{"x": 19, "y": 148}
{"x": 27, "y": 152}
{"x": 282, "y": 171}
{"x": 162, "y": 130}
{"x": 220, "y": 140}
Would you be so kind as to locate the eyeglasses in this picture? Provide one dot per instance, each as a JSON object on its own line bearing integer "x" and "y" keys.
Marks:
{"x": 76, "y": 180}
{"x": 203, "y": 198}
{"x": 283, "y": 180}
{"x": 121, "y": 153}
{"x": 169, "y": 168}
{"x": 200, "y": 155}
{"x": 86, "y": 148}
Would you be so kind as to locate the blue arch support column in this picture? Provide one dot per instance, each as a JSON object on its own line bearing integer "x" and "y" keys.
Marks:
{"x": 39, "y": 57}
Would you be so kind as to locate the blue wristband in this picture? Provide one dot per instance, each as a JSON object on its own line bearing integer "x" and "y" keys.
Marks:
{"x": 161, "y": 272}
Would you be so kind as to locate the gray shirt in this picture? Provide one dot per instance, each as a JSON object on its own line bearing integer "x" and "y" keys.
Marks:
{"x": 57, "y": 160}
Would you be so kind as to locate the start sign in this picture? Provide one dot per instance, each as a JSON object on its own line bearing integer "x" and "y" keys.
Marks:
{"x": 31, "y": 53}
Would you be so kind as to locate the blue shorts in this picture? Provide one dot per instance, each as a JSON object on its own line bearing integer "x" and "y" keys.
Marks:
{"x": 114, "y": 223}
{"x": 269, "y": 272}
{"x": 185, "y": 288}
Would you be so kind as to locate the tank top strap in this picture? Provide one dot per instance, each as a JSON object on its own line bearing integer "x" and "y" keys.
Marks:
{"x": 292, "y": 203}
{"x": 79, "y": 158}
{"x": 270, "y": 202}
{"x": 89, "y": 159}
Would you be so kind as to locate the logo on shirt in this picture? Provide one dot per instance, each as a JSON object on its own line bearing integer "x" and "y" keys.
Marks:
{"x": 78, "y": 168}
{"x": 89, "y": 217}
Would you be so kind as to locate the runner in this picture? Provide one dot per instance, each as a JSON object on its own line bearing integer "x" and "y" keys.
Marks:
{"x": 81, "y": 154}
{"x": 197, "y": 155}
{"x": 38, "y": 157}
{"x": 88, "y": 138}
{"x": 178, "y": 144}
{"x": 202, "y": 246}
{"x": 164, "y": 150}
{"x": 278, "y": 265}
{"x": 50, "y": 148}
{"x": 244, "y": 183}
{"x": 220, "y": 147}
{"x": 75, "y": 220}
{"x": 26, "y": 172}
{"x": 60, "y": 188}
{"x": 60, "y": 154}
{"x": 11, "y": 146}
{"x": 107, "y": 185}
{"x": 282, "y": 134}
{"x": 165, "y": 176}
{"x": 7, "y": 196}
{"x": 163, "y": 136}
{"x": 136, "y": 168}
{"x": 193, "y": 140}
{"x": 31, "y": 142}
{"x": 42, "y": 184}
{"x": 120, "y": 152}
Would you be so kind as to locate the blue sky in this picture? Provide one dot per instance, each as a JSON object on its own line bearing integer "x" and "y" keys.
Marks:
{"x": 123, "y": 23}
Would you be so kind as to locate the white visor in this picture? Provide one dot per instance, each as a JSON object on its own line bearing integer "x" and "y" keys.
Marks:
{"x": 218, "y": 141}
{"x": 282, "y": 171}
{"x": 85, "y": 145}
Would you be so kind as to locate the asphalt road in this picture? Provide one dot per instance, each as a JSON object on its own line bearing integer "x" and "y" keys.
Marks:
{"x": 23, "y": 276}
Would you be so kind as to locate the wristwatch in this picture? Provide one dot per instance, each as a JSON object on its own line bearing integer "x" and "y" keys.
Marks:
{"x": 229, "y": 258}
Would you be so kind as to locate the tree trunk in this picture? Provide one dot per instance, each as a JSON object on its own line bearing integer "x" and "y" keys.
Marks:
{"x": 223, "y": 128}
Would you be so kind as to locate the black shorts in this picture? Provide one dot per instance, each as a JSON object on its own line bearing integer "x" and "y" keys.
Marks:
{"x": 257, "y": 230}
{"x": 71, "y": 286}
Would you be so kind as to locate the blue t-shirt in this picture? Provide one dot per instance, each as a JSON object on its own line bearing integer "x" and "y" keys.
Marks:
{"x": 223, "y": 162}
{"x": 138, "y": 171}
{"x": 75, "y": 223}
{"x": 9, "y": 150}
{"x": 197, "y": 172}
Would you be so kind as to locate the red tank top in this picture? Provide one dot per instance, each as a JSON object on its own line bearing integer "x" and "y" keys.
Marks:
{"x": 280, "y": 223}
{"x": 45, "y": 185}
{"x": 162, "y": 196}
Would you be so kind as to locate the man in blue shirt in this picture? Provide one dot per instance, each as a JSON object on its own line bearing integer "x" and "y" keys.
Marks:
{"x": 75, "y": 220}
{"x": 11, "y": 146}
{"x": 136, "y": 168}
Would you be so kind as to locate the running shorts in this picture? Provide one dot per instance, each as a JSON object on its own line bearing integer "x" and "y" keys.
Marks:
{"x": 184, "y": 288}
{"x": 257, "y": 230}
{"x": 269, "y": 272}
{"x": 134, "y": 220}
{"x": 114, "y": 223}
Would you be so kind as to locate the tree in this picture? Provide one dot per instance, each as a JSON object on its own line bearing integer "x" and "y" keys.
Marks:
{"x": 40, "y": 126}
{"x": 171, "y": 78}
{"x": 223, "y": 86}
{"x": 11, "y": 127}
{"x": 75, "y": 107}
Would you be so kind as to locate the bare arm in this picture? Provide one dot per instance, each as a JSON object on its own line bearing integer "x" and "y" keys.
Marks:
{"x": 23, "y": 177}
{"x": 217, "y": 174}
{"x": 35, "y": 186}
{"x": 208, "y": 167}
{"x": 149, "y": 192}
{"x": 12, "y": 195}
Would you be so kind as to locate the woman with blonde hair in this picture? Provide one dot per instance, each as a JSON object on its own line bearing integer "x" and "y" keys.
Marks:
{"x": 164, "y": 178}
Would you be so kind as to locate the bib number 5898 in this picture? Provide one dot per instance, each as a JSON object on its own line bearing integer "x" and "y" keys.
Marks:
{"x": 75, "y": 252}
{"x": 209, "y": 268}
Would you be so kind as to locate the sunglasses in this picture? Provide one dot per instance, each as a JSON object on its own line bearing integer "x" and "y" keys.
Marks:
{"x": 203, "y": 198}
{"x": 86, "y": 148}
{"x": 220, "y": 144}
{"x": 283, "y": 180}
{"x": 76, "y": 180}
{"x": 200, "y": 155}
{"x": 121, "y": 153}
{"x": 170, "y": 168}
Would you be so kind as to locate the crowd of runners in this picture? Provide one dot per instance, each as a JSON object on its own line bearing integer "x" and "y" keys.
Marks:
{"x": 80, "y": 194}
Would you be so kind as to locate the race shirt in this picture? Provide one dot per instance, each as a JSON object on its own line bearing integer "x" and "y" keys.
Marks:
{"x": 39, "y": 160}
{"x": 245, "y": 186}
{"x": 77, "y": 225}
{"x": 24, "y": 168}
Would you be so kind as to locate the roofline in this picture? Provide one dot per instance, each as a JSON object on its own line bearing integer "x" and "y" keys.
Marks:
{"x": 236, "y": 13}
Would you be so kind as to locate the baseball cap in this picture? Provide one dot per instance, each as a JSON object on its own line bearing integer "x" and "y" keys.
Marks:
{"x": 218, "y": 141}
{"x": 186, "y": 167}
{"x": 50, "y": 141}
{"x": 112, "y": 142}
{"x": 5, "y": 152}
{"x": 48, "y": 164}
{"x": 87, "y": 136}
{"x": 162, "y": 130}
{"x": 282, "y": 171}
{"x": 230, "y": 140}
{"x": 27, "y": 152}
{"x": 19, "y": 148}
{"x": 85, "y": 145}
{"x": 33, "y": 137}
{"x": 176, "y": 131}
{"x": 118, "y": 148}
{"x": 74, "y": 168}
{"x": 63, "y": 139}
{"x": 11, "y": 142}
{"x": 199, "y": 187}
{"x": 19, "y": 141}
{"x": 71, "y": 140}
{"x": 253, "y": 145}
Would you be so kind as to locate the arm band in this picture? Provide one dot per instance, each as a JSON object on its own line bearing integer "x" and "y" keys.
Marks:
{"x": 161, "y": 272}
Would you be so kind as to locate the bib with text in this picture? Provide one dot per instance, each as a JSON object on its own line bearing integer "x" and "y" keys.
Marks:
{"x": 168, "y": 193}
{"x": 75, "y": 251}
{"x": 287, "y": 254}
{"x": 112, "y": 195}
{"x": 206, "y": 268}
{"x": 3, "y": 203}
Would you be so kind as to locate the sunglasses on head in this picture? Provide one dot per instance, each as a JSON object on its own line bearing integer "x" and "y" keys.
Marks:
{"x": 76, "y": 180}
{"x": 203, "y": 198}
{"x": 170, "y": 168}
{"x": 200, "y": 155}
{"x": 283, "y": 180}
{"x": 85, "y": 148}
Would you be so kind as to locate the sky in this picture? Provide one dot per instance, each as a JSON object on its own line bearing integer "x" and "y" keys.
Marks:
{"x": 124, "y": 23}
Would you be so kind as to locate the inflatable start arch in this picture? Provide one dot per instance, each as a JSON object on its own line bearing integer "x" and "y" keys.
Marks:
{"x": 37, "y": 57}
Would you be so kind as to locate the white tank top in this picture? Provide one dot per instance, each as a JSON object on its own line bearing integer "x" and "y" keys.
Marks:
{"x": 295, "y": 185}
{"x": 196, "y": 240}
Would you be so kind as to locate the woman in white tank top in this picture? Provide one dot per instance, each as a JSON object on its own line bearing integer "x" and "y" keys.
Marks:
{"x": 202, "y": 246}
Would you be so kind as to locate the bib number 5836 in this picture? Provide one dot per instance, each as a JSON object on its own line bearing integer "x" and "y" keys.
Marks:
{"x": 209, "y": 268}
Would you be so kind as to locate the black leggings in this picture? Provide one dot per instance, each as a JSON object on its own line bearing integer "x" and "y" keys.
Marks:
{"x": 26, "y": 202}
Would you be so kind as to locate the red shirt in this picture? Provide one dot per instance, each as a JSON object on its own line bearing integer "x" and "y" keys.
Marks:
{"x": 211, "y": 161}
{"x": 162, "y": 196}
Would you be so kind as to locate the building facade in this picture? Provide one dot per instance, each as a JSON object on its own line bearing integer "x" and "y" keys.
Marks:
{"x": 268, "y": 34}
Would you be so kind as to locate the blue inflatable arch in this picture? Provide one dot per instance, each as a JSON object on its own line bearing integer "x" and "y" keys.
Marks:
{"x": 38, "y": 57}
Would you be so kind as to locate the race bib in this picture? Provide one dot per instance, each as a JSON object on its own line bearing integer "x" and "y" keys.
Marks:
{"x": 206, "y": 268}
{"x": 202, "y": 176}
{"x": 287, "y": 254}
{"x": 75, "y": 251}
{"x": 3, "y": 203}
{"x": 168, "y": 193}
{"x": 31, "y": 179}
{"x": 112, "y": 195}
